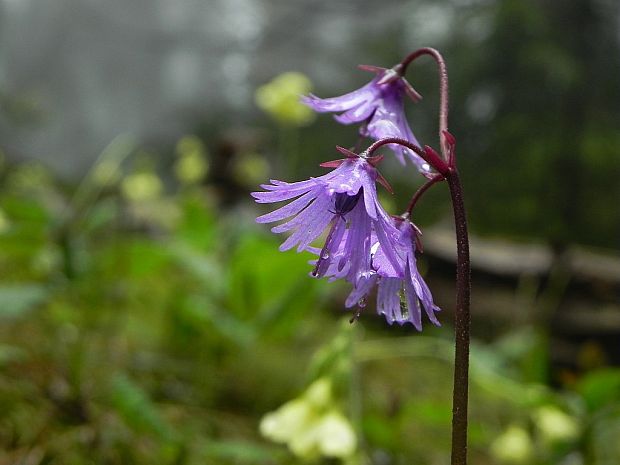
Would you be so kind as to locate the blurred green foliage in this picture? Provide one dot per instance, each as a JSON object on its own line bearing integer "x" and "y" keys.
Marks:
{"x": 537, "y": 107}
{"x": 151, "y": 326}
{"x": 142, "y": 323}
{"x": 534, "y": 105}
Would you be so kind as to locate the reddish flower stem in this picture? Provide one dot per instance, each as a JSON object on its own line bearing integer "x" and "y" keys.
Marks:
{"x": 435, "y": 179}
{"x": 443, "y": 89}
{"x": 463, "y": 280}
{"x": 460, "y": 393}
{"x": 427, "y": 154}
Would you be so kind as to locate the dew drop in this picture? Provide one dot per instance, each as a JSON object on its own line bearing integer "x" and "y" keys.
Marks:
{"x": 374, "y": 248}
{"x": 324, "y": 255}
{"x": 356, "y": 316}
{"x": 404, "y": 307}
{"x": 362, "y": 302}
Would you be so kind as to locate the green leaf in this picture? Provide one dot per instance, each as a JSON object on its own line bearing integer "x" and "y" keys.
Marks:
{"x": 136, "y": 408}
{"x": 600, "y": 388}
{"x": 267, "y": 283}
{"x": 201, "y": 265}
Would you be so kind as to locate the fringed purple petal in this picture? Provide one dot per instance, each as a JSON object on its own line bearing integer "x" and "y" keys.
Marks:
{"x": 357, "y": 114}
{"x": 277, "y": 196}
{"x": 357, "y": 247}
{"x": 314, "y": 229}
{"x": 413, "y": 312}
{"x": 371, "y": 202}
{"x": 280, "y": 190}
{"x": 310, "y": 223}
{"x": 361, "y": 290}
{"x": 423, "y": 292}
{"x": 298, "y": 220}
{"x": 348, "y": 177}
{"x": 287, "y": 210}
{"x": 387, "y": 260}
{"x": 344, "y": 102}
{"x": 330, "y": 249}
{"x": 388, "y": 298}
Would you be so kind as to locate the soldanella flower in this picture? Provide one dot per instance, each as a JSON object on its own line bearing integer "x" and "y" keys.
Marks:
{"x": 345, "y": 200}
{"x": 400, "y": 297}
{"x": 364, "y": 246}
{"x": 401, "y": 290}
{"x": 379, "y": 106}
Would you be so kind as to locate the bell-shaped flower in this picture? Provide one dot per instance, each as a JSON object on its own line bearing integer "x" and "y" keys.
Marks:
{"x": 401, "y": 290}
{"x": 345, "y": 200}
{"x": 401, "y": 297}
{"x": 379, "y": 106}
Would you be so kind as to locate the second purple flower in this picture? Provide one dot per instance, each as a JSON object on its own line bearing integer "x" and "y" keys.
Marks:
{"x": 379, "y": 105}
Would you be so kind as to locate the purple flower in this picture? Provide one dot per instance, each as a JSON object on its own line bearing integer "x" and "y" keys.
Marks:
{"x": 400, "y": 297}
{"x": 345, "y": 200}
{"x": 364, "y": 245}
{"x": 380, "y": 105}
{"x": 401, "y": 290}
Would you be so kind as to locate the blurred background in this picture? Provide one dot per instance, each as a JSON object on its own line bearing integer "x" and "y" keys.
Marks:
{"x": 146, "y": 319}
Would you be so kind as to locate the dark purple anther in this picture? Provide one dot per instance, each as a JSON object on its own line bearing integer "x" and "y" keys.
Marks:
{"x": 344, "y": 203}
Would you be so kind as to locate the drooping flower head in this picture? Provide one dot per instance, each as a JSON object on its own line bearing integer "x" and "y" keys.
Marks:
{"x": 345, "y": 200}
{"x": 401, "y": 290}
{"x": 401, "y": 297}
{"x": 364, "y": 246}
{"x": 379, "y": 105}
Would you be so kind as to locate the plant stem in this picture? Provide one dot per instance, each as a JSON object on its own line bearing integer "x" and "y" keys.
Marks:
{"x": 446, "y": 167}
{"x": 435, "y": 179}
{"x": 463, "y": 279}
{"x": 463, "y": 289}
{"x": 427, "y": 154}
{"x": 443, "y": 88}
{"x": 461, "y": 324}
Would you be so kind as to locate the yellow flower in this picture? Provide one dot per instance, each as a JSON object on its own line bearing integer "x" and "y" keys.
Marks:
{"x": 141, "y": 187}
{"x": 280, "y": 99}
{"x": 514, "y": 446}
{"x": 191, "y": 165}
{"x": 555, "y": 425}
{"x": 311, "y": 425}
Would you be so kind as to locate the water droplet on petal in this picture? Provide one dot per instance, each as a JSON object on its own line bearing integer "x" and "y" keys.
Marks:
{"x": 324, "y": 255}
{"x": 404, "y": 307}
{"x": 362, "y": 302}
